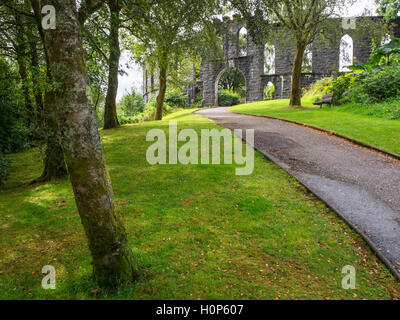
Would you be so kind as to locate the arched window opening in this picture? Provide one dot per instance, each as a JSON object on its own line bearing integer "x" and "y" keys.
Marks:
{"x": 231, "y": 87}
{"x": 269, "y": 91}
{"x": 243, "y": 37}
{"x": 346, "y": 58}
{"x": 307, "y": 59}
{"x": 269, "y": 59}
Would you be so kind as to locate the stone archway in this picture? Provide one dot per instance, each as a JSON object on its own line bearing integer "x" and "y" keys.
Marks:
{"x": 218, "y": 78}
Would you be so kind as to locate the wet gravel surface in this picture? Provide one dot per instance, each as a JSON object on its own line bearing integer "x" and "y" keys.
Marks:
{"x": 361, "y": 185}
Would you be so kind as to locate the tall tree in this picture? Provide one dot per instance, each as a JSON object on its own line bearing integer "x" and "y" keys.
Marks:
{"x": 113, "y": 260}
{"x": 167, "y": 29}
{"x": 110, "y": 108}
{"x": 28, "y": 50}
{"x": 54, "y": 164}
{"x": 302, "y": 19}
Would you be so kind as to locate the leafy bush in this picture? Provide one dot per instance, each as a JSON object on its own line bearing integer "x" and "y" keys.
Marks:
{"x": 148, "y": 113}
{"x": 342, "y": 84}
{"x": 131, "y": 104}
{"x": 176, "y": 99}
{"x": 320, "y": 88}
{"x": 228, "y": 98}
{"x": 13, "y": 131}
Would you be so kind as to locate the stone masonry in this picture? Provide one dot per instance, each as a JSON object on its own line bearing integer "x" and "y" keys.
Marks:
{"x": 325, "y": 60}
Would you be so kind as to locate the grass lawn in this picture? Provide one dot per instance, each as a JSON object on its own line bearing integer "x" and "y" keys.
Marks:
{"x": 200, "y": 232}
{"x": 381, "y": 133}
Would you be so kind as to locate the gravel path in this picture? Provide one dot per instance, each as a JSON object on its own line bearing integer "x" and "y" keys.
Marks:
{"x": 362, "y": 186}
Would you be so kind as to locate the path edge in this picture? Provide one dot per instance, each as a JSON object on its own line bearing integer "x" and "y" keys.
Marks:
{"x": 329, "y": 132}
{"x": 363, "y": 235}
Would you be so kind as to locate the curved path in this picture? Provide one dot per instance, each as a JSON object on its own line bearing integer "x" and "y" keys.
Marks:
{"x": 361, "y": 185}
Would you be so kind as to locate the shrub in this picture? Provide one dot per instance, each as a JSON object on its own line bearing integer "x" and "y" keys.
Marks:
{"x": 319, "y": 88}
{"x": 228, "y": 98}
{"x": 131, "y": 104}
{"x": 342, "y": 84}
{"x": 176, "y": 99}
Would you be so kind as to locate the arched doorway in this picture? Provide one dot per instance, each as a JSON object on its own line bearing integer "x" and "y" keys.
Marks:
{"x": 269, "y": 91}
{"x": 230, "y": 85}
{"x": 346, "y": 55}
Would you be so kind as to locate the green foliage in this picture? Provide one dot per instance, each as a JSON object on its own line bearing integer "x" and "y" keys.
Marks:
{"x": 131, "y": 104}
{"x": 269, "y": 93}
{"x": 374, "y": 87}
{"x": 389, "y": 8}
{"x": 342, "y": 84}
{"x": 320, "y": 88}
{"x": 176, "y": 99}
{"x": 233, "y": 80}
{"x": 147, "y": 114}
{"x": 13, "y": 134}
{"x": 228, "y": 98}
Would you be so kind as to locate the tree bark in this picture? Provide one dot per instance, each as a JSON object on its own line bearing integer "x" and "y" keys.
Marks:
{"x": 295, "y": 95}
{"x": 22, "y": 56}
{"x": 110, "y": 108}
{"x": 53, "y": 164}
{"x": 113, "y": 260}
{"x": 161, "y": 93}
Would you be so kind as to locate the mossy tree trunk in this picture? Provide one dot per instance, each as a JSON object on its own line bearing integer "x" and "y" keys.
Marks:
{"x": 295, "y": 95}
{"x": 161, "y": 92}
{"x": 22, "y": 61}
{"x": 113, "y": 260}
{"x": 110, "y": 108}
{"x": 53, "y": 165}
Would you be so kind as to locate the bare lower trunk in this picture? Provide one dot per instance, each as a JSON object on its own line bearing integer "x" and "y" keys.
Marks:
{"x": 161, "y": 93}
{"x": 110, "y": 108}
{"x": 113, "y": 260}
{"x": 54, "y": 164}
{"x": 295, "y": 95}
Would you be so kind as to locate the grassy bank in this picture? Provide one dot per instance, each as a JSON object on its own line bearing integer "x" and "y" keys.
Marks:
{"x": 200, "y": 232}
{"x": 364, "y": 123}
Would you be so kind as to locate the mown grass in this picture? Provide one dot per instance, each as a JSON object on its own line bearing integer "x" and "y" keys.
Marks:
{"x": 364, "y": 124}
{"x": 200, "y": 232}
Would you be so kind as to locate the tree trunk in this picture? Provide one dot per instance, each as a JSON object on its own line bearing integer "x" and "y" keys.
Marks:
{"x": 110, "y": 108}
{"x": 22, "y": 56}
{"x": 54, "y": 164}
{"x": 295, "y": 95}
{"x": 161, "y": 93}
{"x": 35, "y": 70}
{"x": 113, "y": 260}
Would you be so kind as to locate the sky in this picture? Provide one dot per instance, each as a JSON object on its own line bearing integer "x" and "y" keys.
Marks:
{"x": 134, "y": 75}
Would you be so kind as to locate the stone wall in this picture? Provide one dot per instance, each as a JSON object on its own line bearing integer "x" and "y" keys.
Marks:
{"x": 325, "y": 62}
